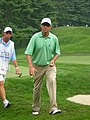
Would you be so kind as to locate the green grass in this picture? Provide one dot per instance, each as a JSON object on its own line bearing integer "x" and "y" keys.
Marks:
{"x": 74, "y": 59}
{"x": 62, "y": 59}
{"x": 73, "y": 39}
{"x": 11, "y": 73}
{"x": 73, "y": 78}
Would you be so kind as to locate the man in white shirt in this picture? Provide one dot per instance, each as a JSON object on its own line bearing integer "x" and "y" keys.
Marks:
{"x": 7, "y": 53}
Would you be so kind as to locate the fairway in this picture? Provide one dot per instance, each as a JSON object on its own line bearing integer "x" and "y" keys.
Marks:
{"x": 74, "y": 59}
{"x": 11, "y": 72}
{"x": 72, "y": 79}
{"x": 61, "y": 59}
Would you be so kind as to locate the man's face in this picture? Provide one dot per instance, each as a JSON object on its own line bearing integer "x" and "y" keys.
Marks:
{"x": 8, "y": 34}
{"x": 45, "y": 27}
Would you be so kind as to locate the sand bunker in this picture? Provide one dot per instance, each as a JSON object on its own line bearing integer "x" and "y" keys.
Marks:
{"x": 81, "y": 99}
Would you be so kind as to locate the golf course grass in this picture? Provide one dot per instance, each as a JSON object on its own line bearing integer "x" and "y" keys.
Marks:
{"x": 62, "y": 59}
{"x": 74, "y": 59}
{"x": 73, "y": 78}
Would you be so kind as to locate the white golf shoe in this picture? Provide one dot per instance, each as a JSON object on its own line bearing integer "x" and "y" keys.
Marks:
{"x": 35, "y": 113}
{"x": 55, "y": 111}
{"x": 7, "y": 104}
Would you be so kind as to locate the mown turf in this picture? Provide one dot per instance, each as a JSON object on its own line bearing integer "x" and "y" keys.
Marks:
{"x": 73, "y": 39}
{"x": 72, "y": 79}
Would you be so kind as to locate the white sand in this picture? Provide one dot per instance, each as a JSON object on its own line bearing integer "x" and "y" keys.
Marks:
{"x": 81, "y": 99}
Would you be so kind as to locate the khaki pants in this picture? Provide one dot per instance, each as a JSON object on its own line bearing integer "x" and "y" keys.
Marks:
{"x": 50, "y": 74}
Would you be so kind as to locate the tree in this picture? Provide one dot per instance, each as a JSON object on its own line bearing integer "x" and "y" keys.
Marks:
{"x": 25, "y": 16}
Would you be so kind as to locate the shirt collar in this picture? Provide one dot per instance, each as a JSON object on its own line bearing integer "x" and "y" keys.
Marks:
{"x": 42, "y": 35}
{"x": 6, "y": 44}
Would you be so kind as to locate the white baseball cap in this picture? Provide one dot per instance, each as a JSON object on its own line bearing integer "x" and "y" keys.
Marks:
{"x": 7, "y": 29}
{"x": 46, "y": 20}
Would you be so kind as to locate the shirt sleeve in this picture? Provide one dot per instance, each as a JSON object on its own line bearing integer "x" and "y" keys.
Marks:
{"x": 13, "y": 57}
{"x": 57, "y": 51}
{"x": 31, "y": 45}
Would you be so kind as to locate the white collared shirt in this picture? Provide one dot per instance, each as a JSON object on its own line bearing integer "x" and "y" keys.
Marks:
{"x": 7, "y": 53}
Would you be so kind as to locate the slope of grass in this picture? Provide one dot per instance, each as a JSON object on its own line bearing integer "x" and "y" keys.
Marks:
{"x": 73, "y": 39}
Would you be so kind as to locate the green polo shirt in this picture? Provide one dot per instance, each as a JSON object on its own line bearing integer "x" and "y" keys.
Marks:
{"x": 42, "y": 49}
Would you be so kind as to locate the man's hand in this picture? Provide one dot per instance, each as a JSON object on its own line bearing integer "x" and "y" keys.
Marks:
{"x": 51, "y": 63}
{"x": 17, "y": 70}
{"x": 32, "y": 71}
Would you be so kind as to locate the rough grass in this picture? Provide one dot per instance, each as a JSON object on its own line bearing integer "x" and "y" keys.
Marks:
{"x": 73, "y": 39}
{"x": 72, "y": 79}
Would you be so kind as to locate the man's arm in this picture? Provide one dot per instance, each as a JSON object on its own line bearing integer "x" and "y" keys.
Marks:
{"x": 30, "y": 65}
{"x": 16, "y": 66}
{"x": 53, "y": 60}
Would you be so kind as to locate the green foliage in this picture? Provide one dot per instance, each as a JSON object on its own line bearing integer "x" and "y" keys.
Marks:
{"x": 26, "y": 13}
{"x": 25, "y": 16}
{"x": 21, "y": 37}
{"x": 73, "y": 12}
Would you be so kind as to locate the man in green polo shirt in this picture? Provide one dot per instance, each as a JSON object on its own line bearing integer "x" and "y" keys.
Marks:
{"x": 41, "y": 54}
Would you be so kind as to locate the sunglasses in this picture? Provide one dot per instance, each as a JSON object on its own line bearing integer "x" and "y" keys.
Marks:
{"x": 8, "y": 32}
{"x": 46, "y": 24}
